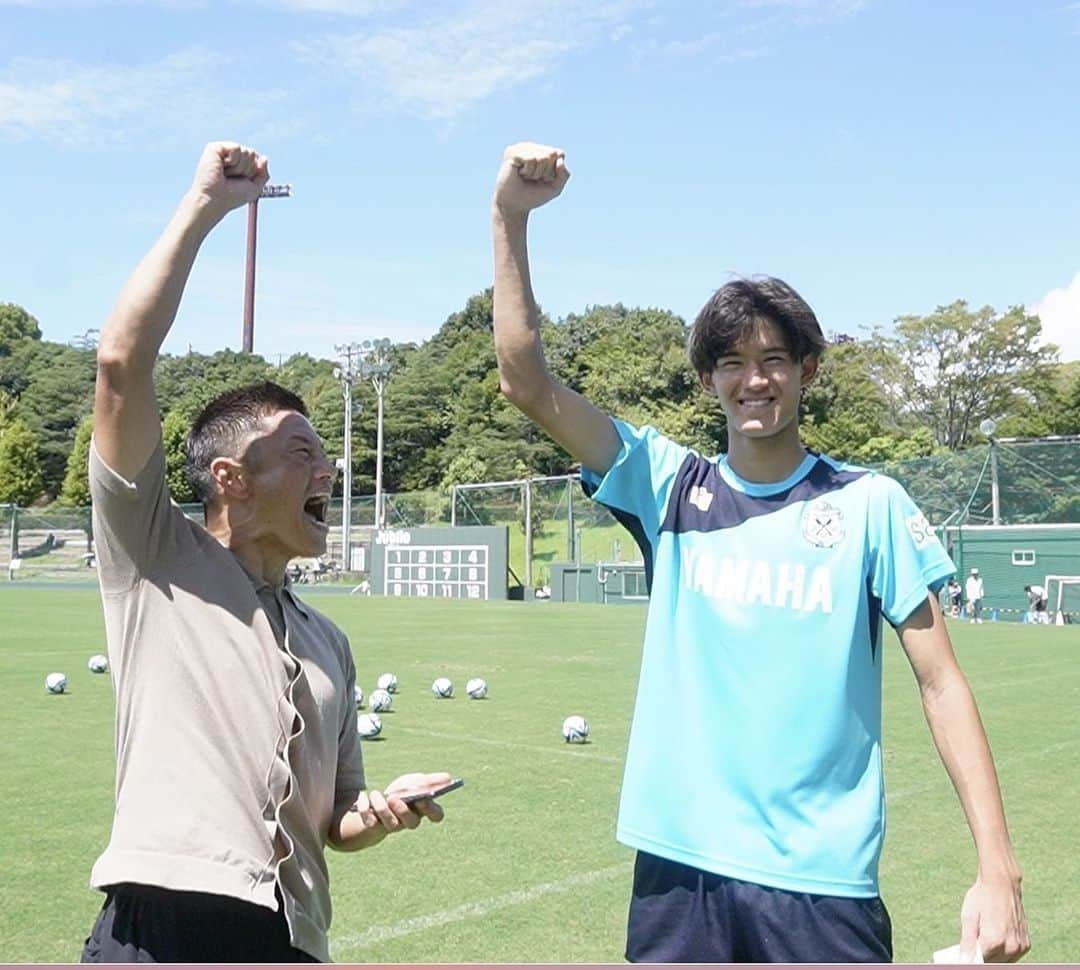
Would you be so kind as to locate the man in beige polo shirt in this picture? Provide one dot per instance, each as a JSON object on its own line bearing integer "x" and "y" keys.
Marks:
{"x": 238, "y": 759}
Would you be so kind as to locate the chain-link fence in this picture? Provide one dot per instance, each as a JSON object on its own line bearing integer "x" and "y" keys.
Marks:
{"x": 549, "y": 519}
{"x": 1024, "y": 481}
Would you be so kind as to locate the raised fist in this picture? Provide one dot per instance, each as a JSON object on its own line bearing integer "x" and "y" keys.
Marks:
{"x": 530, "y": 175}
{"x": 229, "y": 175}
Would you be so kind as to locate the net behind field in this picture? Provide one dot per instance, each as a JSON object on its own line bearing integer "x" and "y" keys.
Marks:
{"x": 1038, "y": 482}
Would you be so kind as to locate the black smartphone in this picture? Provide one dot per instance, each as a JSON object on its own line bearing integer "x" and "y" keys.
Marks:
{"x": 415, "y": 796}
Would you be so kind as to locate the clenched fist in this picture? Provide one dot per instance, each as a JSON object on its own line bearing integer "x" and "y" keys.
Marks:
{"x": 530, "y": 175}
{"x": 229, "y": 175}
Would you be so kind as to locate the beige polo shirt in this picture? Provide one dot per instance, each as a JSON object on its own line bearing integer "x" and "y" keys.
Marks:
{"x": 235, "y": 718}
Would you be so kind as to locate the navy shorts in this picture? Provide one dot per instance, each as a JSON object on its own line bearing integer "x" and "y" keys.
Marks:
{"x": 147, "y": 924}
{"x": 679, "y": 914}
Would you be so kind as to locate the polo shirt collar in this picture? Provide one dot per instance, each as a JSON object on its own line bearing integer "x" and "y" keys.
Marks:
{"x": 259, "y": 583}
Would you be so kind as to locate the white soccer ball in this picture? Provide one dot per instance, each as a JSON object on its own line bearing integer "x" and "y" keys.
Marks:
{"x": 359, "y": 693}
{"x": 56, "y": 683}
{"x": 575, "y": 729}
{"x": 476, "y": 688}
{"x": 369, "y": 725}
{"x": 381, "y": 700}
{"x": 98, "y": 663}
{"x": 443, "y": 687}
{"x": 387, "y": 682}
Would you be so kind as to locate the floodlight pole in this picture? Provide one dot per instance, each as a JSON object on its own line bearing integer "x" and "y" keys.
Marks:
{"x": 375, "y": 365}
{"x": 268, "y": 192}
{"x": 346, "y": 374}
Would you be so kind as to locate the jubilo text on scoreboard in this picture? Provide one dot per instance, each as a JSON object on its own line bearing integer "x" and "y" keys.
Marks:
{"x": 466, "y": 562}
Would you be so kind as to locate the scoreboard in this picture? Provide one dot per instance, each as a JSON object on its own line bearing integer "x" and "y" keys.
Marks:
{"x": 467, "y": 562}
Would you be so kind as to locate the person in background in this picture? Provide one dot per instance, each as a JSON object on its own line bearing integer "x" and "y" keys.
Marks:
{"x": 974, "y": 592}
{"x": 954, "y": 591}
{"x": 1037, "y": 604}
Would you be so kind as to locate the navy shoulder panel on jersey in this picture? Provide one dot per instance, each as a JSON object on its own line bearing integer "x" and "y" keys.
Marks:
{"x": 702, "y": 501}
{"x": 634, "y": 526}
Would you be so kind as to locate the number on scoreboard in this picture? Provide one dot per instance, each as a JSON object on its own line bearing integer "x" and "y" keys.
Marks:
{"x": 450, "y": 572}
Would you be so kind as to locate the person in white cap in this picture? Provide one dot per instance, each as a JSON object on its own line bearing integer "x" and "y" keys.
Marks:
{"x": 974, "y": 590}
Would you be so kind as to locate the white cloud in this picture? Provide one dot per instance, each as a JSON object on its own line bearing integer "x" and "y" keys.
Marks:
{"x": 439, "y": 68}
{"x": 80, "y": 104}
{"x": 1059, "y": 312}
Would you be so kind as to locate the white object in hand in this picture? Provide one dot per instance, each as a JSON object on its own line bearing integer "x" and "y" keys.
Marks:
{"x": 953, "y": 954}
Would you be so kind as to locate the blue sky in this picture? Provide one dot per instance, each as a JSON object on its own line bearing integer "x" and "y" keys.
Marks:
{"x": 882, "y": 156}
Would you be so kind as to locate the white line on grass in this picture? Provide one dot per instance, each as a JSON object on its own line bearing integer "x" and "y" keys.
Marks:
{"x": 520, "y": 897}
{"x": 556, "y": 750}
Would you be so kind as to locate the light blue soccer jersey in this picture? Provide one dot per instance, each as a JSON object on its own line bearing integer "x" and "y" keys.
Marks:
{"x": 755, "y": 750}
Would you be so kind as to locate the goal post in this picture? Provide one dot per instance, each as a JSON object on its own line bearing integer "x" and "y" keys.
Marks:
{"x": 1062, "y": 598}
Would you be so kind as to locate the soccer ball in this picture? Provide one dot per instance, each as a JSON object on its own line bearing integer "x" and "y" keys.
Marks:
{"x": 476, "y": 688}
{"x": 359, "y": 692}
{"x": 387, "y": 682}
{"x": 381, "y": 700}
{"x": 56, "y": 683}
{"x": 369, "y": 725}
{"x": 98, "y": 663}
{"x": 575, "y": 729}
{"x": 442, "y": 687}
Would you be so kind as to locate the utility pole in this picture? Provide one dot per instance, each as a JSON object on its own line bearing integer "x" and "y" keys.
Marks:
{"x": 268, "y": 192}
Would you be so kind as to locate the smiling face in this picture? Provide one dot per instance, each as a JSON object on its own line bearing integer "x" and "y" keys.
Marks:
{"x": 759, "y": 383}
{"x": 290, "y": 480}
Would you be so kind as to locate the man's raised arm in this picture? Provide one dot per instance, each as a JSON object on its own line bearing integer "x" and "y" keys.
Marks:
{"x": 530, "y": 176}
{"x": 126, "y": 422}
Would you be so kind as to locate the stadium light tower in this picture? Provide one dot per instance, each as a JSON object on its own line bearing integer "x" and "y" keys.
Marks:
{"x": 988, "y": 427}
{"x": 375, "y": 366}
{"x": 268, "y": 192}
{"x": 349, "y": 354}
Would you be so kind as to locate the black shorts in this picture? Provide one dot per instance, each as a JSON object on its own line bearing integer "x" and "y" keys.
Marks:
{"x": 679, "y": 914}
{"x": 147, "y": 924}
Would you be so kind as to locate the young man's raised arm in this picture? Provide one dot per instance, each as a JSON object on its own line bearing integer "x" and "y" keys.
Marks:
{"x": 530, "y": 176}
{"x": 126, "y": 422}
{"x": 992, "y": 916}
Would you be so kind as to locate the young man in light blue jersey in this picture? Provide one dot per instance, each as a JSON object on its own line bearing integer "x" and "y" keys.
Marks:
{"x": 770, "y": 570}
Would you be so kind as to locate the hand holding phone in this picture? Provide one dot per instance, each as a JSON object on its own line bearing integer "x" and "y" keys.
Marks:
{"x": 414, "y": 796}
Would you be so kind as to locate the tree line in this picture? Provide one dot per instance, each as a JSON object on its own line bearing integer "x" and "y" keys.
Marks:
{"x": 919, "y": 390}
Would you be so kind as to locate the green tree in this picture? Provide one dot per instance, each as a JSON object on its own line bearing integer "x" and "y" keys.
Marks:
{"x": 174, "y": 433}
{"x": 16, "y": 326}
{"x": 20, "y": 469}
{"x": 189, "y": 382}
{"x": 76, "y": 489}
{"x": 53, "y": 387}
{"x": 956, "y": 366}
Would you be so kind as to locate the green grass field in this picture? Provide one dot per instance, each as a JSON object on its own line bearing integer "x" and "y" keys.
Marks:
{"x": 526, "y": 868}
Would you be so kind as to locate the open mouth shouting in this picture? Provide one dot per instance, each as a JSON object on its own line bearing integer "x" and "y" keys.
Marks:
{"x": 315, "y": 509}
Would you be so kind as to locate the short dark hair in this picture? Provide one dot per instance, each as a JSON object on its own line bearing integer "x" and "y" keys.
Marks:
{"x": 223, "y": 424}
{"x": 737, "y": 307}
